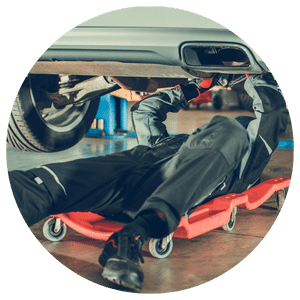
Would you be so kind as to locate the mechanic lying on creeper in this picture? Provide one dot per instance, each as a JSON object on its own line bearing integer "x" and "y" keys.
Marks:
{"x": 157, "y": 182}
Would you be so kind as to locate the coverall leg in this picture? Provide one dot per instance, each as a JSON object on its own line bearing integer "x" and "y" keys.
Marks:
{"x": 201, "y": 166}
{"x": 120, "y": 181}
{"x": 96, "y": 184}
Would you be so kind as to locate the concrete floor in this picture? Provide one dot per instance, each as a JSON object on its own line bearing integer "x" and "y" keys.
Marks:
{"x": 192, "y": 262}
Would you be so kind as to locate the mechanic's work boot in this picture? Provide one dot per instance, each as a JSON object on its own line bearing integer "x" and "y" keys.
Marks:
{"x": 120, "y": 259}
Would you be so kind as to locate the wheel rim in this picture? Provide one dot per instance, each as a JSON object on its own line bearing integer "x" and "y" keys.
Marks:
{"x": 62, "y": 119}
{"x": 231, "y": 223}
{"x": 159, "y": 249}
{"x": 52, "y": 227}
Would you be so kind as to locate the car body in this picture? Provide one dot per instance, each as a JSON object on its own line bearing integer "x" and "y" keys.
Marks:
{"x": 138, "y": 49}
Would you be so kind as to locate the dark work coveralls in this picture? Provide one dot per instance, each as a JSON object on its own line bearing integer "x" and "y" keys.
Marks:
{"x": 170, "y": 174}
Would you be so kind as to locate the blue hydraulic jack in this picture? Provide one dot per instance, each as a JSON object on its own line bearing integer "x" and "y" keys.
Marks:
{"x": 111, "y": 120}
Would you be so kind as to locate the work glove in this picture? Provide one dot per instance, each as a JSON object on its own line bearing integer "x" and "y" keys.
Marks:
{"x": 197, "y": 88}
{"x": 221, "y": 80}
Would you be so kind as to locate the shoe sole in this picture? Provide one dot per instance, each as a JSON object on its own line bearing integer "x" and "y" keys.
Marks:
{"x": 123, "y": 279}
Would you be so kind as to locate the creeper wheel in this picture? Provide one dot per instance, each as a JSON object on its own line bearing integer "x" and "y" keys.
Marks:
{"x": 280, "y": 195}
{"x": 230, "y": 225}
{"x": 158, "y": 248}
{"x": 54, "y": 230}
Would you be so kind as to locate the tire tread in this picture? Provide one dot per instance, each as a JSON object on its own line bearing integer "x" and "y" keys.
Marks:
{"x": 19, "y": 134}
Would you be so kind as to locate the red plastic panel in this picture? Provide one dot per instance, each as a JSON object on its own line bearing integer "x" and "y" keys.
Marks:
{"x": 216, "y": 213}
{"x": 207, "y": 217}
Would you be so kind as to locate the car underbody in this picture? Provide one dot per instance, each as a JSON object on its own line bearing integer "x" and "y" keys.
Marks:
{"x": 58, "y": 99}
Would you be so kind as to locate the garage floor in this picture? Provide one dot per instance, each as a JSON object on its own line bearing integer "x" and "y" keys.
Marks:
{"x": 198, "y": 260}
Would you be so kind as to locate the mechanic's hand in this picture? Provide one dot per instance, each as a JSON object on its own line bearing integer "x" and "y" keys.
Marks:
{"x": 195, "y": 89}
{"x": 207, "y": 84}
{"x": 222, "y": 80}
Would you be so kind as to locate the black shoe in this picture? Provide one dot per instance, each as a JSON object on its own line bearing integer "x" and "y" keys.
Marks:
{"x": 120, "y": 259}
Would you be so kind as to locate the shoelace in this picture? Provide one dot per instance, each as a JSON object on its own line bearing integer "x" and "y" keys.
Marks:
{"x": 136, "y": 251}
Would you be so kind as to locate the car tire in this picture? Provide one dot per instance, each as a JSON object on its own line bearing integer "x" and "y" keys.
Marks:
{"x": 31, "y": 131}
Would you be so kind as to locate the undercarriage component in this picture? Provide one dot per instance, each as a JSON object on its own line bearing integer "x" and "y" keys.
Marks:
{"x": 82, "y": 91}
{"x": 148, "y": 85}
{"x": 95, "y": 86}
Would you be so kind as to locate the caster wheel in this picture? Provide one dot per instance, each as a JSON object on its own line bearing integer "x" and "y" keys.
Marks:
{"x": 229, "y": 226}
{"x": 280, "y": 195}
{"x": 54, "y": 230}
{"x": 155, "y": 248}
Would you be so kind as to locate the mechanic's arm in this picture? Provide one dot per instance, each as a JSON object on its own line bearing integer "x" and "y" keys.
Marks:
{"x": 149, "y": 114}
{"x": 269, "y": 107}
{"x": 271, "y": 120}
